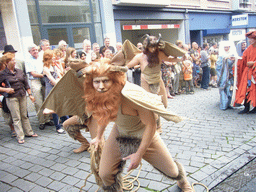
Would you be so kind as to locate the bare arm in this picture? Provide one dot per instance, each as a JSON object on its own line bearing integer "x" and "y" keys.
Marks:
{"x": 47, "y": 72}
{"x": 170, "y": 58}
{"x": 99, "y": 136}
{"x": 7, "y": 90}
{"x": 36, "y": 75}
{"x": 135, "y": 61}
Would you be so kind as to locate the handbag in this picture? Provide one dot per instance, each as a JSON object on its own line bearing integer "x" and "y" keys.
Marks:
{"x": 5, "y": 107}
{"x": 42, "y": 81}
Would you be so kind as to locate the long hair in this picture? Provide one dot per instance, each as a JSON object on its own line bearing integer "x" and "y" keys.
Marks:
{"x": 69, "y": 52}
{"x": 152, "y": 58}
{"x": 103, "y": 106}
{"x": 47, "y": 58}
{"x": 151, "y": 41}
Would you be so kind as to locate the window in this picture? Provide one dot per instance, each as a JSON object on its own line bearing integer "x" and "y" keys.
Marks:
{"x": 68, "y": 11}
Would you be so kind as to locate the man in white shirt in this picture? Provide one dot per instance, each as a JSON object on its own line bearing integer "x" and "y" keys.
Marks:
{"x": 34, "y": 69}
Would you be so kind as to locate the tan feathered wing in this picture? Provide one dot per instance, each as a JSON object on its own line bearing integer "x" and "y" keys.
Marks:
{"x": 149, "y": 101}
{"x": 66, "y": 96}
{"x": 171, "y": 49}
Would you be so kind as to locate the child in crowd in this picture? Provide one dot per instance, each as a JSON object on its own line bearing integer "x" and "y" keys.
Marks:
{"x": 188, "y": 77}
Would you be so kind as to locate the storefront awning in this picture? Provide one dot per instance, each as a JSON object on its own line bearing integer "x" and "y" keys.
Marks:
{"x": 143, "y": 27}
{"x": 215, "y": 31}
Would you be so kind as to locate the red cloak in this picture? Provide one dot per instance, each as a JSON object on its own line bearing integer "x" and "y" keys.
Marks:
{"x": 244, "y": 73}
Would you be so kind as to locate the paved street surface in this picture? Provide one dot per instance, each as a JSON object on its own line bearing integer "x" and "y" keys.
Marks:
{"x": 244, "y": 180}
{"x": 211, "y": 144}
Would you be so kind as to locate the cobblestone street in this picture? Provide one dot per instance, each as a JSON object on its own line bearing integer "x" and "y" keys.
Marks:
{"x": 211, "y": 144}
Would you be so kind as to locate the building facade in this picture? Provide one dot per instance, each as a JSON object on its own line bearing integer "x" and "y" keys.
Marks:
{"x": 23, "y": 22}
{"x": 187, "y": 20}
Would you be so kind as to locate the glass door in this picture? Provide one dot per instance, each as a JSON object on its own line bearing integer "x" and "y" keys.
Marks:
{"x": 74, "y": 35}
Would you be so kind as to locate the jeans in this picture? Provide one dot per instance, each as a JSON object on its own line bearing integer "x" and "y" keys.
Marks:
{"x": 205, "y": 77}
{"x": 56, "y": 121}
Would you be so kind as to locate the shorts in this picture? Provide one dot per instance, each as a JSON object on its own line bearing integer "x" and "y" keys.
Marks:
{"x": 213, "y": 72}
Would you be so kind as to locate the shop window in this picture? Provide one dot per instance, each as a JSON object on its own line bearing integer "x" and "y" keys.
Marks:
{"x": 68, "y": 11}
{"x": 36, "y": 34}
{"x": 32, "y": 12}
{"x": 96, "y": 10}
{"x": 98, "y": 33}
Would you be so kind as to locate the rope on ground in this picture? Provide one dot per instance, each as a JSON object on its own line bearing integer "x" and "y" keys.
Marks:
{"x": 193, "y": 184}
{"x": 128, "y": 181}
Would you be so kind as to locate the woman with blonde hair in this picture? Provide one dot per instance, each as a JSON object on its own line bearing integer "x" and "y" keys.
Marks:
{"x": 51, "y": 77}
{"x": 16, "y": 97}
{"x": 59, "y": 62}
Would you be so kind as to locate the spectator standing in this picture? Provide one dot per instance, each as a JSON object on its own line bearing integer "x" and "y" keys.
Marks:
{"x": 246, "y": 72}
{"x": 213, "y": 73}
{"x": 62, "y": 45}
{"x": 187, "y": 69}
{"x": 107, "y": 45}
{"x": 213, "y": 48}
{"x": 196, "y": 62}
{"x": 177, "y": 70}
{"x": 82, "y": 56}
{"x": 44, "y": 45}
{"x": 34, "y": 69}
{"x": 136, "y": 71}
{"x": 240, "y": 48}
{"x": 17, "y": 101}
{"x": 19, "y": 63}
{"x": 118, "y": 46}
{"x": 205, "y": 65}
{"x": 107, "y": 53}
{"x": 70, "y": 54}
{"x": 5, "y": 110}
{"x": 96, "y": 50}
{"x": 87, "y": 48}
{"x": 166, "y": 69}
{"x": 52, "y": 76}
{"x": 58, "y": 61}
{"x": 225, "y": 74}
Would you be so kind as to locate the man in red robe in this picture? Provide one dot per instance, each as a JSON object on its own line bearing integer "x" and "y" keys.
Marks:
{"x": 246, "y": 73}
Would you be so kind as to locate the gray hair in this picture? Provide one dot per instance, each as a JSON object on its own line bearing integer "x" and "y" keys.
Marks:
{"x": 43, "y": 41}
{"x": 86, "y": 42}
{"x": 61, "y": 43}
{"x": 32, "y": 46}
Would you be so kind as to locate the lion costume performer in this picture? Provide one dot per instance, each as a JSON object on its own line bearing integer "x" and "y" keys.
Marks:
{"x": 130, "y": 106}
{"x": 110, "y": 98}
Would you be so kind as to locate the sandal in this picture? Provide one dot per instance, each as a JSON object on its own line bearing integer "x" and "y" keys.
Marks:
{"x": 34, "y": 135}
{"x": 60, "y": 131}
{"x": 13, "y": 134}
{"x": 21, "y": 141}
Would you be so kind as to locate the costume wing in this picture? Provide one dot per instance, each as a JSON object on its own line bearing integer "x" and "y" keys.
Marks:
{"x": 123, "y": 57}
{"x": 149, "y": 101}
{"x": 66, "y": 96}
{"x": 171, "y": 49}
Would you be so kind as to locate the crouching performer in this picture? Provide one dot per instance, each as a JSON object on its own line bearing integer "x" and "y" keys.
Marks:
{"x": 66, "y": 98}
{"x": 110, "y": 98}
